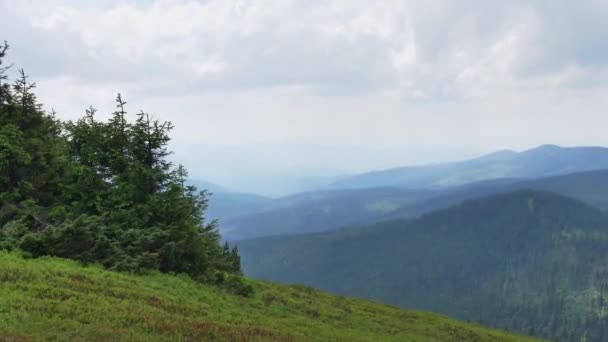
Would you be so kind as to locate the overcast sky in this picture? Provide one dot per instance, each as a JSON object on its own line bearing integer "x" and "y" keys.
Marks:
{"x": 291, "y": 87}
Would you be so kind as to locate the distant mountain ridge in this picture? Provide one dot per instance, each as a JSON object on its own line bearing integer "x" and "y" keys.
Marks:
{"x": 590, "y": 187}
{"x": 330, "y": 210}
{"x": 542, "y": 161}
{"x": 548, "y": 167}
{"x": 321, "y": 211}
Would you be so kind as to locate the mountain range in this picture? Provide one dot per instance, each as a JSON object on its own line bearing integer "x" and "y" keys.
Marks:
{"x": 542, "y": 161}
{"x": 514, "y": 240}
{"x": 548, "y": 167}
{"x": 329, "y": 210}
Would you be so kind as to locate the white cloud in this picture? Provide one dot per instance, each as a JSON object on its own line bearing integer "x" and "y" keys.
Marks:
{"x": 391, "y": 74}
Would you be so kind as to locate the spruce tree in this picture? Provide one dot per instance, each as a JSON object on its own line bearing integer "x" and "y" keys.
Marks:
{"x": 4, "y": 86}
{"x": 32, "y": 158}
{"x": 101, "y": 191}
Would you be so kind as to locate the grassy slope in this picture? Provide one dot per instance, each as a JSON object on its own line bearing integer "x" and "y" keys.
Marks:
{"x": 55, "y": 299}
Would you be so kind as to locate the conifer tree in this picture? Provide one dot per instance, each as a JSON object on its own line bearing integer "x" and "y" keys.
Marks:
{"x": 118, "y": 144}
{"x": 31, "y": 154}
{"x": 101, "y": 191}
{"x": 4, "y": 86}
{"x": 235, "y": 260}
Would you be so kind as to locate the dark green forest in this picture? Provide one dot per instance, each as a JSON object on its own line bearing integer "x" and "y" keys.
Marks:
{"x": 101, "y": 191}
{"x": 527, "y": 261}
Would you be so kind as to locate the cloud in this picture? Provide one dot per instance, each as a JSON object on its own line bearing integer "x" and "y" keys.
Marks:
{"x": 424, "y": 50}
{"x": 389, "y": 74}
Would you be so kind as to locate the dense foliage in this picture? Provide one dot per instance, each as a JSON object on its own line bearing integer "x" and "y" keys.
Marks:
{"x": 100, "y": 191}
{"x": 50, "y": 299}
{"x": 527, "y": 261}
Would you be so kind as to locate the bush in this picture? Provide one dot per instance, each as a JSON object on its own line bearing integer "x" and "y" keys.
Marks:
{"x": 233, "y": 283}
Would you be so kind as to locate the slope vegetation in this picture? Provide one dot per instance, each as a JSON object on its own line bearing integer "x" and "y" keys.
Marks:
{"x": 56, "y": 299}
{"x": 528, "y": 261}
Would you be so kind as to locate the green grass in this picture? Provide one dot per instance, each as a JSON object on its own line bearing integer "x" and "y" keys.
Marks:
{"x": 56, "y": 299}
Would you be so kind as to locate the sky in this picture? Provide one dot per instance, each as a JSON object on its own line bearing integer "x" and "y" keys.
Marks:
{"x": 278, "y": 96}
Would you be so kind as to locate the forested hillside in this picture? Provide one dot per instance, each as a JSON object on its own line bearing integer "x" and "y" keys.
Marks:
{"x": 529, "y": 261}
{"x": 590, "y": 187}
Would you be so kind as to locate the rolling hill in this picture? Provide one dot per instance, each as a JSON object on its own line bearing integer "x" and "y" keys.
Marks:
{"x": 330, "y": 210}
{"x": 57, "y": 299}
{"x": 590, "y": 187}
{"x": 543, "y": 161}
{"x": 321, "y": 211}
{"x": 529, "y": 261}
